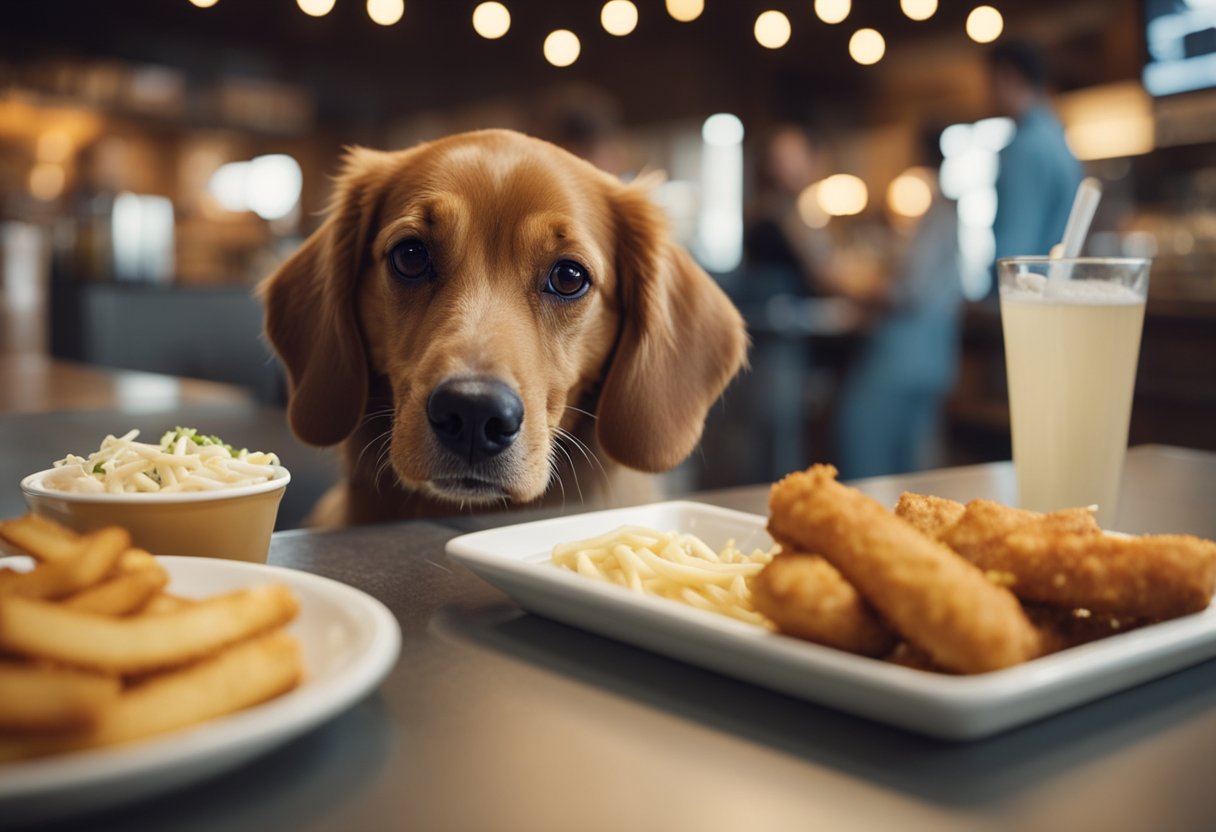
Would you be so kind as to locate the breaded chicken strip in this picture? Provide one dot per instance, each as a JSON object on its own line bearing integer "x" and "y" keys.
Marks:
{"x": 1061, "y": 628}
{"x": 924, "y": 591}
{"x": 931, "y": 515}
{"x": 1050, "y": 561}
{"x": 806, "y": 597}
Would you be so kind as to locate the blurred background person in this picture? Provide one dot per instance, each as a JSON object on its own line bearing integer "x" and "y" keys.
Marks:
{"x": 890, "y": 404}
{"x": 778, "y": 239}
{"x": 1038, "y": 173}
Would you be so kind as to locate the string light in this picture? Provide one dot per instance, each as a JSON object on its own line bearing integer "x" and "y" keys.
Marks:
{"x": 491, "y": 20}
{"x": 619, "y": 17}
{"x": 918, "y": 9}
{"x": 867, "y": 46}
{"x": 772, "y": 30}
{"x": 833, "y": 11}
{"x": 984, "y": 24}
{"x": 204, "y": 4}
{"x": 385, "y": 12}
{"x": 562, "y": 47}
{"x": 316, "y": 8}
{"x": 685, "y": 10}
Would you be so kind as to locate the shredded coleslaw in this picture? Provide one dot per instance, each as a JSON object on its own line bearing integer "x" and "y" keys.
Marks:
{"x": 185, "y": 460}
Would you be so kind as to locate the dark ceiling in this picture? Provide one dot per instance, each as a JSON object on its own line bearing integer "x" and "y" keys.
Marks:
{"x": 359, "y": 71}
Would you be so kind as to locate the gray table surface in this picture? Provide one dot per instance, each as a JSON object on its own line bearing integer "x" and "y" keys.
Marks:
{"x": 499, "y": 720}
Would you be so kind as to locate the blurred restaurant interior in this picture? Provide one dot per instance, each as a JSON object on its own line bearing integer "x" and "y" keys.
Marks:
{"x": 159, "y": 157}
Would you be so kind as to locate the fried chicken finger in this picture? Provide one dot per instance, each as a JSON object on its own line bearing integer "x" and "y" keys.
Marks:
{"x": 927, "y": 593}
{"x": 806, "y": 597}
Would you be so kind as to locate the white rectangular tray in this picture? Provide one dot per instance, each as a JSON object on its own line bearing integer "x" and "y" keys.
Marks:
{"x": 516, "y": 560}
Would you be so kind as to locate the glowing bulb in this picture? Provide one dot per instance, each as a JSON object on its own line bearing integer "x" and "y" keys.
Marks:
{"x": 619, "y": 17}
{"x": 833, "y": 11}
{"x": 491, "y": 20}
{"x": 385, "y": 12}
{"x": 685, "y": 10}
{"x": 562, "y": 47}
{"x": 204, "y": 4}
{"x": 772, "y": 30}
{"x": 909, "y": 195}
{"x": 722, "y": 130}
{"x": 46, "y": 181}
{"x": 984, "y": 24}
{"x": 316, "y": 8}
{"x": 918, "y": 9}
{"x": 867, "y": 46}
{"x": 842, "y": 195}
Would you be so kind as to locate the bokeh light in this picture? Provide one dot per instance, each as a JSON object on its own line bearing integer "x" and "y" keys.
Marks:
{"x": 809, "y": 211}
{"x": 685, "y": 10}
{"x": 204, "y": 4}
{"x": 918, "y": 9}
{"x": 722, "y": 130}
{"x": 385, "y": 12}
{"x": 842, "y": 195}
{"x": 491, "y": 20}
{"x": 772, "y": 30}
{"x": 619, "y": 17}
{"x": 562, "y": 47}
{"x": 46, "y": 181}
{"x": 910, "y": 194}
{"x": 867, "y": 46}
{"x": 984, "y": 24}
{"x": 316, "y": 8}
{"x": 833, "y": 11}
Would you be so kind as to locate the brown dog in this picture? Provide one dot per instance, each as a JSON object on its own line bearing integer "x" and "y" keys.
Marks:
{"x": 487, "y": 319}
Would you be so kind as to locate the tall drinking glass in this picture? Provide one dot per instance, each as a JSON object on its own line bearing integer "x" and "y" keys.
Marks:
{"x": 1072, "y": 340}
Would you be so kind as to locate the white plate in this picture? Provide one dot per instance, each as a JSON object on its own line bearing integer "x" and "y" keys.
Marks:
{"x": 516, "y": 560}
{"x": 350, "y": 642}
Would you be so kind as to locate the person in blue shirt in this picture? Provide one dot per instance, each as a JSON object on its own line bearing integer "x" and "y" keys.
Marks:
{"x": 890, "y": 403}
{"x": 1038, "y": 175}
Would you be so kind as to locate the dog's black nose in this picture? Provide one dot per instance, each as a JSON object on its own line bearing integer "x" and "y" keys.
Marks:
{"x": 475, "y": 417}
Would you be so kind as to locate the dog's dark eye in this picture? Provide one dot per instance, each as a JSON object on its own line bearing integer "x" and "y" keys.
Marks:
{"x": 568, "y": 280}
{"x": 410, "y": 261}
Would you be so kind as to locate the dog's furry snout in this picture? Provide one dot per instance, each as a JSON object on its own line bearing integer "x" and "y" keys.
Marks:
{"x": 475, "y": 418}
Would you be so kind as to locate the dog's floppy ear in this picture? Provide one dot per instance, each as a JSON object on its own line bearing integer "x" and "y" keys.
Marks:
{"x": 681, "y": 342}
{"x": 310, "y": 308}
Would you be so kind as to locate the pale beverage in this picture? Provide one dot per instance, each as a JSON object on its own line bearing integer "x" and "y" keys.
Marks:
{"x": 1071, "y": 349}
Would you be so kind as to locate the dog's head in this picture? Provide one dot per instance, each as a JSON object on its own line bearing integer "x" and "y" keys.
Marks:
{"x": 498, "y": 283}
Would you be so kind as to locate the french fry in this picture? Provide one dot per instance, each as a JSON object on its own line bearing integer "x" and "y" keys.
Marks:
{"x": 96, "y": 554}
{"x": 121, "y": 595}
{"x": 46, "y": 698}
{"x": 163, "y": 602}
{"x": 42, "y": 539}
{"x": 135, "y": 560}
{"x": 239, "y": 677}
{"x": 141, "y": 644}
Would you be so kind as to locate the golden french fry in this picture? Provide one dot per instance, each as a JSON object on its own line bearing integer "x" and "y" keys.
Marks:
{"x": 56, "y": 699}
{"x": 43, "y": 540}
{"x": 121, "y": 595}
{"x": 163, "y": 602}
{"x": 135, "y": 560}
{"x": 239, "y": 677}
{"x": 140, "y": 644}
{"x": 96, "y": 555}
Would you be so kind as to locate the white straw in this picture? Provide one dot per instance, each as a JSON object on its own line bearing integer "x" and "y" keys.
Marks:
{"x": 1084, "y": 205}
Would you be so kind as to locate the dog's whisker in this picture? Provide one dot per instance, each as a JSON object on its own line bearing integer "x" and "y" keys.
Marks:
{"x": 381, "y": 437}
{"x": 573, "y": 468}
{"x": 586, "y": 413}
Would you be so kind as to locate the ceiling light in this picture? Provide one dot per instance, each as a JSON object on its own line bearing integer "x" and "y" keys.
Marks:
{"x": 619, "y": 17}
{"x": 772, "y": 30}
{"x": 562, "y": 47}
{"x": 491, "y": 20}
